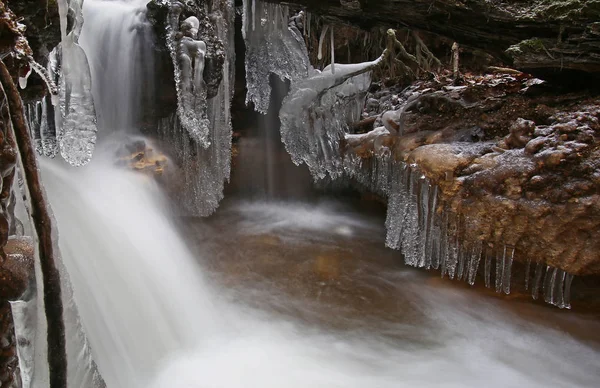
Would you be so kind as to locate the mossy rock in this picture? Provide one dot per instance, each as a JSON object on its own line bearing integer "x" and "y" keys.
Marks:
{"x": 565, "y": 10}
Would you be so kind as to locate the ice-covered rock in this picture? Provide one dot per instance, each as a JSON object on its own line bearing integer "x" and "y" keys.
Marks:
{"x": 206, "y": 167}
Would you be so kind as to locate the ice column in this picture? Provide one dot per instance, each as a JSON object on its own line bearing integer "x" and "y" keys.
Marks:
{"x": 187, "y": 54}
{"x": 272, "y": 47}
{"x": 77, "y": 124}
{"x": 206, "y": 168}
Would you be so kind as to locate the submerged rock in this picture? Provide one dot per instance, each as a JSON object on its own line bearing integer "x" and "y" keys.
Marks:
{"x": 141, "y": 157}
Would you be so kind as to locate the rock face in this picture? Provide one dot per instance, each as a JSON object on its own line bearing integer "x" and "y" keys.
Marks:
{"x": 541, "y": 36}
{"x": 518, "y": 167}
{"x": 42, "y": 30}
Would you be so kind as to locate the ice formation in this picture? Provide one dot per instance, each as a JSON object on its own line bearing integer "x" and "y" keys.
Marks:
{"x": 273, "y": 46}
{"x": 206, "y": 169}
{"x": 314, "y": 121}
{"x": 65, "y": 121}
{"x": 77, "y": 129}
{"x": 316, "y": 113}
{"x": 431, "y": 236}
{"x": 188, "y": 53}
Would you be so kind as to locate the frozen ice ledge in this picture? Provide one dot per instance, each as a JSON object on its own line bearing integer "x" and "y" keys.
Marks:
{"x": 473, "y": 206}
{"x": 482, "y": 181}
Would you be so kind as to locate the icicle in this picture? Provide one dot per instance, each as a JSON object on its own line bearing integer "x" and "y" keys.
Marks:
{"x": 269, "y": 50}
{"x": 203, "y": 181}
{"x": 508, "y": 261}
{"x": 452, "y": 245}
{"x": 283, "y": 13}
{"x": 188, "y": 54}
{"x": 474, "y": 262}
{"x": 34, "y": 113}
{"x": 321, "y": 39}
{"x": 488, "y": 267}
{"x": 77, "y": 138}
{"x": 48, "y": 128}
{"x": 23, "y": 79}
{"x": 308, "y": 20}
{"x": 567, "y": 291}
{"x": 549, "y": 280}
{"x": 462, "y": 257}
{"x": 253, "y": 15}
{"x": 332, "y": 52}
{"x": 527, "y": 273}
{"x": 244, "y": 18}
{"x": 500, "y": 257}
{"x": 432, "y": 237}
{"x": 559, "y": 296}
{"x": 77, "y": 115}
{"x": 444, "y": 241}
{"x": 63, "y": 10}
{"x": 423, "y": 217}
{"x": 43, "y": 73}
{"x": 539, "y": 271}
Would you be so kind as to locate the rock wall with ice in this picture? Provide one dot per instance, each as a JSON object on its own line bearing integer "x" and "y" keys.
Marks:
{"x": 471, "y": 208}
{"x": 432, "y": 226}
{"x": 188, "y": 55}
{"x": 273, "y": 46}
{"x": 207, "y": 168}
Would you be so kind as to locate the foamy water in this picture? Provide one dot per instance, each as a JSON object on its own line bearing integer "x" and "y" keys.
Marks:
{"x": 153, "y": 320}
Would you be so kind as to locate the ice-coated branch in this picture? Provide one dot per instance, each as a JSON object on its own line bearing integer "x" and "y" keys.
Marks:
{"x": 350, "y": 71}
{"x": 43, "y": 73}
{"x": 57, "y": 356}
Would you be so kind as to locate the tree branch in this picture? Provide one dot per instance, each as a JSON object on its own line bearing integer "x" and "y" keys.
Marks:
{"x": 57, "y": 356}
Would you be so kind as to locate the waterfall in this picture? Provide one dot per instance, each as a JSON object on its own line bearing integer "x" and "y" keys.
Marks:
{"x": 127, "y": 265}
{"x": 118, "y": 41}
{"x": 154, "y": 320}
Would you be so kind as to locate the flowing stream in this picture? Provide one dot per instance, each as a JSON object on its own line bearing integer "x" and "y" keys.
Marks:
{"x": 272, "y": 294}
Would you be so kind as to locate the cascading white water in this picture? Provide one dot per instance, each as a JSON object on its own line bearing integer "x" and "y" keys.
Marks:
{"x": 139, "y": 294}
{"x": 153, "y": 320}
{"x": 118, "y": 42}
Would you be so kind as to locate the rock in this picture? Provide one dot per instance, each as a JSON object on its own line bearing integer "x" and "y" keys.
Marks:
{"x": 520, "y": 133}
{"x": 532, "y": 186}
{"x": 16, "y": 273}
{"x": 42, "y": 31}
{"x": 140, "y": 157}
{"x": 545, "y": 38}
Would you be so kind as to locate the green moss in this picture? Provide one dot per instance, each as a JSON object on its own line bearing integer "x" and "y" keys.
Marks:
{"x": 568, "y": 10}
{"x": 533, "y": 45}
